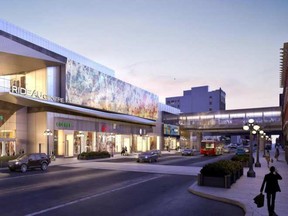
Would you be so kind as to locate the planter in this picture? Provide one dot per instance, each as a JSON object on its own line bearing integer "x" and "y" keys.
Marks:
{"x": 92, "y": 157}
{"x": 245, "y": 163}
{"x": 233, "y": 177}
{"x": 238, "y": 173}
{"x": 222, "y": 182}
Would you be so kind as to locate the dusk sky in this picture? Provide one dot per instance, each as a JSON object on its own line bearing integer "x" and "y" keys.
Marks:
{"x": 168, "y": 46}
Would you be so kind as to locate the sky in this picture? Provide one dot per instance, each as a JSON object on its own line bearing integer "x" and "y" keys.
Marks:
{"x": 168, "y": 46}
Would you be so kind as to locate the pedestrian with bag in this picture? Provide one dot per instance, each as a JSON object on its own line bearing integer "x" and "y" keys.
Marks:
{"x": 270, "y": 182}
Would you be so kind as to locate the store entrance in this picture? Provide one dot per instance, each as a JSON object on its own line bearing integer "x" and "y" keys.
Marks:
{"x": 69, "y": 138}
{"x": 7, "y": 147}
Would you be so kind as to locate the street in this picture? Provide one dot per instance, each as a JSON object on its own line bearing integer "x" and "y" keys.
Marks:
{"x": 65, "y": 190}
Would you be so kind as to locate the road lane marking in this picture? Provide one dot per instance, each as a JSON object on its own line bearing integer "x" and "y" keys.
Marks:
{"x": 91, "y": 197}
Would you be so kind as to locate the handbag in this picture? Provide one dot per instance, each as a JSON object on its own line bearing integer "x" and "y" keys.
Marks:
{"x": 259, "y": 200}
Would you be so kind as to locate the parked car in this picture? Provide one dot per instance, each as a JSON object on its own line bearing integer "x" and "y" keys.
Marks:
{"x": 29, "y": 161}
{"x": 149, "y": 156}
{"x": 188, "y": 151}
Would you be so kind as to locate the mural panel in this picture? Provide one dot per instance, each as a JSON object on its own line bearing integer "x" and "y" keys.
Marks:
{"x": 88, "y": 87}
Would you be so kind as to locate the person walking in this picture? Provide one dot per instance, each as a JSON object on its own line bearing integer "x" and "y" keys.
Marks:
{"x": 270, "y": 182}
{"x": 277, "y": 153}
{"x": 267, "y": 157}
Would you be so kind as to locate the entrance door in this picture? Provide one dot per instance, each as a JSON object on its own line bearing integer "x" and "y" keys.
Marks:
{"x": 69, "y": 138}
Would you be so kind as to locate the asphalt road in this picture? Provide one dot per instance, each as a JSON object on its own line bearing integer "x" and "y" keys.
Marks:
{"x": 79, "y": 191}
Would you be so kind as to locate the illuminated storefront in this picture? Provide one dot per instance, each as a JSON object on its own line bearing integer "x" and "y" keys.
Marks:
{"x": 171, "y": 136}
{"x": 44, "y": 86}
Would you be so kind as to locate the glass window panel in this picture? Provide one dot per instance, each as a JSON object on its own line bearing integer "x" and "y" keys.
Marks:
{"x": 255, "y": 114}
{"x": 237, "y": 115}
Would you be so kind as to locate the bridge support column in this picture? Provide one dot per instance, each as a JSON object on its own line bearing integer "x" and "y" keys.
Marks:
{"x": 199, "y": 139}
{"x": 195, "y": 140}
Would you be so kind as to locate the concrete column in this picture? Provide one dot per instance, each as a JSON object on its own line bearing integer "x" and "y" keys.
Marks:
{"x": 199, "y": 136}
{"x": 3, "y": 149}
{"x": 191, "y": 141}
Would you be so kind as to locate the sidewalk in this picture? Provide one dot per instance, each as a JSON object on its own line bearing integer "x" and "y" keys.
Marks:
{"x": 246, "y": 188}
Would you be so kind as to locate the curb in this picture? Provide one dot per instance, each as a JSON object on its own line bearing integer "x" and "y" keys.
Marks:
{"x": 192, "y": 189}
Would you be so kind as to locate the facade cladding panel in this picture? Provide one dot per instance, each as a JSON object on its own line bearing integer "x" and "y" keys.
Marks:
{"x": 88, "y": 87}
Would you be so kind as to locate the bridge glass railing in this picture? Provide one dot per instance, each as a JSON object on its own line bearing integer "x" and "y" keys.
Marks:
{"x": 235, "y": 119}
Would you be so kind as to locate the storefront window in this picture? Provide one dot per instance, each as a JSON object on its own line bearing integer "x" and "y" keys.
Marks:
{"x": 7, "y": 148}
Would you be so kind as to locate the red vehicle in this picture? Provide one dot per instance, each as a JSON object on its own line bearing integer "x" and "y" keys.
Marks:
{"x": 211, "y": 147}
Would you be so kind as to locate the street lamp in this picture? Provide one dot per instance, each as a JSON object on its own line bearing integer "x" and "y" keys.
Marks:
{"x": 258, "y": 131}
{"x": 80, "y": 135}
{"x": 251, "y": 126}
{"x": 48, "y": 133}
{"x": 263, "y": 136}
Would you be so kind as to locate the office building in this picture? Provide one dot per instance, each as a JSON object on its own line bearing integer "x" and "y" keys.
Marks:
{"x": 199, "y": 99}
{"x": 284, "y": 96}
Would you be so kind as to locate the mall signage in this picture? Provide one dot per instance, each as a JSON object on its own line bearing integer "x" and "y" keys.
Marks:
{"x": 35, "y": 94}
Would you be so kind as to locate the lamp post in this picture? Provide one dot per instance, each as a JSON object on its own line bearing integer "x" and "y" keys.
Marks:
{"x": 258, "y": 164}
{"x": 48, "y": 133}
{"x": 80, "y": 135}
{"x": 251, "y": 126}
{"x": 263, "y": 136}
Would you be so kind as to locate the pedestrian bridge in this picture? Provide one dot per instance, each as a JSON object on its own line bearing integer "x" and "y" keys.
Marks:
{"x": 232, "y": 121}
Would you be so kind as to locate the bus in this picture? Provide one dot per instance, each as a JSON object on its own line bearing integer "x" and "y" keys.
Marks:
{"x": 211, "y": 147}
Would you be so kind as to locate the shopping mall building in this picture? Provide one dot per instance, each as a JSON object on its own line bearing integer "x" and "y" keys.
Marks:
{"x": 54, "y": 100}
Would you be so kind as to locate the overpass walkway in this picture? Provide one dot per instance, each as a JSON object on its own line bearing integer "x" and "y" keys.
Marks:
{"x": 232, "y": 121}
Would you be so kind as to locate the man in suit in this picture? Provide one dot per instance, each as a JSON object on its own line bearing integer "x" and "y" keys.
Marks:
{"x": 272, "y": 186}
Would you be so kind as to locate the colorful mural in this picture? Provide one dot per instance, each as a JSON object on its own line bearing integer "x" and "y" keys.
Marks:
{"x": 88, "y": 87}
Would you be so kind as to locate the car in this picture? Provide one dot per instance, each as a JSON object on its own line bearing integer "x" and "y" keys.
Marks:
{"x": 226, "y": 149}
{"x": 149, "y": 156}
{"x": 240, "y": 151}
{"x": 232, "y": 145}
{"x": 29, "y": 161}
{"x": 158, "y": 152}
{"x": 246, "y": 149}
{"x": 188, "y": 151}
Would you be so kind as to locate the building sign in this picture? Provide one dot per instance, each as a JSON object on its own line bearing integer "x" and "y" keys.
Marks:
{"x": 64, "y": 124}
{"x": 171, "y": 130}
{"x": 88, "y": 87}
{"x": 35, "y": 94}
{"x": 67, "y": 125}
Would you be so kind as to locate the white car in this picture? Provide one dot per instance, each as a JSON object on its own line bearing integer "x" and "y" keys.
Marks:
{"x": 226, "y": 149}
